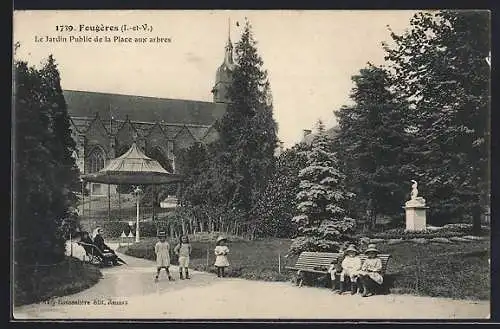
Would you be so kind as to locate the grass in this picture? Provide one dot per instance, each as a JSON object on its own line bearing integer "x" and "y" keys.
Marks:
{"x": 257, "y": 260}
{"x": 458, "y": 270}
{"x": 62, "y": 279}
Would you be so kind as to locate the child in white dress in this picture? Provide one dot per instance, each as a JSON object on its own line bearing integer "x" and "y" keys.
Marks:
{"x": 351, "y": 265}
{"x": 221, "y": 251}
{"x": 162, "y": 251}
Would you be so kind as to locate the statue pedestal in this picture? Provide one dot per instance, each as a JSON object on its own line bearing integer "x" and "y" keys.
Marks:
{"x": 416, "y": 215}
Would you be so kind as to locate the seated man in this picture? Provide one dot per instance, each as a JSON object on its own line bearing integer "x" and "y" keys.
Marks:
{"x": 99, "y": 243}
{"x": 90, "y": 248}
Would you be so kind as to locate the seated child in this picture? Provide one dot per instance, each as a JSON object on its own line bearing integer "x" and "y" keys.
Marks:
{"x": 369, "y": 275}
{"x": 351, "y": 265}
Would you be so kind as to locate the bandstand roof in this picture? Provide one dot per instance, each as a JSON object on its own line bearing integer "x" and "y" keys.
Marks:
{"x": 135, "y": 168}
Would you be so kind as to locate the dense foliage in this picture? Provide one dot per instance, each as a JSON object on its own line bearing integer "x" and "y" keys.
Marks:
{"x": 224, "y": 182}
{"x": 322, "y": 220}
{"x": 423, "y": 116}
{"x": 277, "y": 205}
{"x": 45, "y": 173}
{"x": 371, "y": 142}
{"x": 439, "y": 66}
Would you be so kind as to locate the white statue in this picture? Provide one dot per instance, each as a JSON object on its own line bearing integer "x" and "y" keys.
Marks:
{"x": 415, "y": 200}
{"x": 414, "y": 190}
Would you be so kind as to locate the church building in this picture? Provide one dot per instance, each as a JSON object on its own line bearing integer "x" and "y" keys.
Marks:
{"x": 105, "y": 125}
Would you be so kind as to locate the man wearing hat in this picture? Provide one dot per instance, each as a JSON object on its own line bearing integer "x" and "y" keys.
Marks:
{"x": 350, "y": 267}
{"x": 370, "y": 275}
{"x": 162, "y": 251}
{"x": 221, "y": 251}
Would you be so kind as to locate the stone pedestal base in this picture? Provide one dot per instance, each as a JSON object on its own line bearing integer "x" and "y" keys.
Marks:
{"x": 415, "y": 218}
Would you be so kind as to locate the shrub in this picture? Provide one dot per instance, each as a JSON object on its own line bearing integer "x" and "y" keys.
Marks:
{"x": 114, "y": 229}
{"x": 148, "y": 229}
{"x": 53, "y": 281}
{"x": 405, "y": 235}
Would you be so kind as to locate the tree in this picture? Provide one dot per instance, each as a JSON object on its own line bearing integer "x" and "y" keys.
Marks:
{"x": 224, "y": 181}
{"x": 154, "y": 194}
{"x": 371, "y": 141}
{"x": 322, "y": 221}
{"x": 439, "y": 66}
{"x": 204, "y": 192}
{"x": 62, "y": 144}
{"x": 34, "y": 169}
{"x": 44, "y": 175}
{"x": 277, "y": 205}
{"x": 247, "y": 131}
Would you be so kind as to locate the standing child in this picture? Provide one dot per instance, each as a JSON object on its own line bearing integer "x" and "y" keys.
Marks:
{"x": 221, "y": 251}
{"x": 183, "y": 251}
{"x": 335, "y": 269}
{"x": 351, "y": 265}
{"x": 162, "y": 250}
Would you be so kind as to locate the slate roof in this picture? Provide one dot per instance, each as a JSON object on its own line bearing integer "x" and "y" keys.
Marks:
{"x": 141, "y": 108}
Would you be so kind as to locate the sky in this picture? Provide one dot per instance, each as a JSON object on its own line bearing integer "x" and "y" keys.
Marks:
{"x": 310, "y": 56}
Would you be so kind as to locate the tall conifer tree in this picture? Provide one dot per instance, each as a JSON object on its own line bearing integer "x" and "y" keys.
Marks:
{"x": 323, "y": 222}
{"x": 247, "y": 130}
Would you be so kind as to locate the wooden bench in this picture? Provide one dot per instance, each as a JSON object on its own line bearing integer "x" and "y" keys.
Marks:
{"x": 319, "y": 262}
{"x": 95, "y": 255}
{"x": 313, "y": 262}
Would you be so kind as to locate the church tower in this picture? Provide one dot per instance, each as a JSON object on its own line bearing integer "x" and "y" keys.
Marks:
{"x": 223, "y": 76}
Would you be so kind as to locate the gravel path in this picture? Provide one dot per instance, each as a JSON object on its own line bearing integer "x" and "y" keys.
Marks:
{"x": 129, "y": 292}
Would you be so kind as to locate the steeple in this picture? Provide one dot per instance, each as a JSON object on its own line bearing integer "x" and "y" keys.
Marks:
{"x": 223, "y": 76}
{"x": 228, "y": 57}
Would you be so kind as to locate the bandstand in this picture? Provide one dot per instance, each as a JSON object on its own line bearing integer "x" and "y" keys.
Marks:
{"x": 132, "y": 168}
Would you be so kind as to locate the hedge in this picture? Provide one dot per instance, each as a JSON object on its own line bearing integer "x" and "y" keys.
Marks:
{"x": 115, "y": 229}
{"x": 405, "y": 235}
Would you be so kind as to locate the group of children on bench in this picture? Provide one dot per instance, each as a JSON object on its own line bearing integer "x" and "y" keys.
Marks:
{"x": 366, "y": 274}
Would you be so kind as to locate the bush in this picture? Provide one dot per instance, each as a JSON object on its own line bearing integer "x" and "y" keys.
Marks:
{"x": 115, "y": 229}
{"x": 400, "y": 233}
{"x": 53, "y": 281}
{"x": 148, "y": 229}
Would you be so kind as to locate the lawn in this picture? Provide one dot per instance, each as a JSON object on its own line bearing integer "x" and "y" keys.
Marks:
{"x": 460, "y": 270}
{"x": 249, "y": 259}
{"x": 66, "y": 278}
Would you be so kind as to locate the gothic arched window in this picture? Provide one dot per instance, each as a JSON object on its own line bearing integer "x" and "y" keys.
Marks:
{"x": 96, "y": 160}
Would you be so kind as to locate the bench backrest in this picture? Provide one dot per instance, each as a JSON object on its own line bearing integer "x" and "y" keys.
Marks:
{"x": 321, "y": 260}
{"x": 90, "y": 249}
{"x": 315, "y": 260}
{"x": 383, "y": 257}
